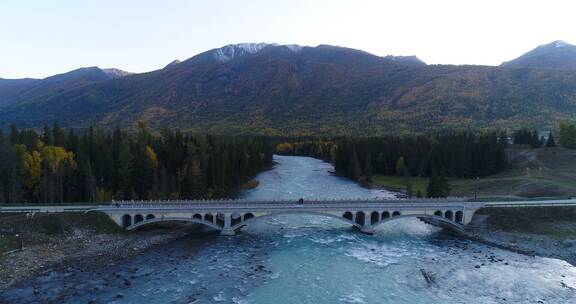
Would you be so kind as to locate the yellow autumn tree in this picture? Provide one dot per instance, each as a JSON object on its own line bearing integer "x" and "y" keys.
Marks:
{"x": 29, "y": 166}
{"x": 31, "y": 169}
{"x": 284, "y": 148}
{"x": 55, "y": 157}
{"x": 151, "y": 158}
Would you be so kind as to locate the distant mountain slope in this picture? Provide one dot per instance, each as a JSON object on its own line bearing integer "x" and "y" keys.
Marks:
{"x": 12, "y": 87}
{"x": 288, "y": 89}
{"x": 555, "y": 55}
{"x": 22, "y": 91}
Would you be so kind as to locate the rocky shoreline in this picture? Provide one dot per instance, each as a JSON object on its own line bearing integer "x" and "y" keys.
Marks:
{"x": 534, "y": 231}
{"x": 83, "y": 250}
{"x": 528, "y": 244}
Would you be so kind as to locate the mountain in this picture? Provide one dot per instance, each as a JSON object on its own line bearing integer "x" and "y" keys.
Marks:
{"x": 175, "y": 62}
{"x": 22, "y": 91}
{"x": 555, "y": 55}
{"x": 298, "y": 90}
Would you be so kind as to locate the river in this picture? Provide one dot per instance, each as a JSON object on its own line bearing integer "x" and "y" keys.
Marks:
{"x": 300, "y": 259}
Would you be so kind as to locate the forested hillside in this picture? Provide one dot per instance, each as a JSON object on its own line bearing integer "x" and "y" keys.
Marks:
{"x": 293, "y": 90}
{"x": 456, "y": 154}
{"x": 99, "y": 165}
{"x": 433, "y": 157}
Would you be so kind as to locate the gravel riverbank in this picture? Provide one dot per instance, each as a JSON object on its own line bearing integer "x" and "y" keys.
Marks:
{"x": 80, "y": 247}
{"x": 530, "y": 244}
{"x": 546, "y": 232}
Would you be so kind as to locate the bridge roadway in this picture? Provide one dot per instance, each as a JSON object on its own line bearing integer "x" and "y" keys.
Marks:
{"x": 228, "y": 216}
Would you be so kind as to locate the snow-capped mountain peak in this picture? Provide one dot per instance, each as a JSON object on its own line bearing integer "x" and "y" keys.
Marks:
{"x": 560, "y": 43}
{"x": 231, "y": 51}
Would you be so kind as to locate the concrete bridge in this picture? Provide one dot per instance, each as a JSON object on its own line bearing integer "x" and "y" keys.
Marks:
{"x": 228, "y": 216}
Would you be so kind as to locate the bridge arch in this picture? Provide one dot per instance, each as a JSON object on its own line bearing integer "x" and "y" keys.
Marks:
{"x": 126, "y": 220}
{"x": 251, "y": 219}
{"x": 447, "y": 222}
{"x": 235, "y": 219}
{"x": 138, "y": 218}
{"x": 172, "y": 219}
{"x": 449, "y": 215}
{"x": 459, "y": 217}
{"x": 374, "y": 217}
{"x": 348, "y": 215}
{"x": 385, "y": 215}
{"x": 150, "y": 216}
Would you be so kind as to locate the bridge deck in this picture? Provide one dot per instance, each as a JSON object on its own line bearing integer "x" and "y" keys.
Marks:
{"x": 242, "y": 205}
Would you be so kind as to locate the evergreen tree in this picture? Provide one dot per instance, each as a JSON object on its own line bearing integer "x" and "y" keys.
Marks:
{"x": 400, "y": 166}
{"x": 59, "y": 136}
{"x": 47, "y": 137}
{"x": 408, "y": 181}
{"x": 354, "y": 170}
{"x": 88, "y": 190}
{"x": 368, "y": 167}
{"x": 419, "y": 194}
{"x": 124, "y": 169}
{"x": 550, "y": 142}
{"x": 438, "y": 186}
{"x": 13, "y": 134}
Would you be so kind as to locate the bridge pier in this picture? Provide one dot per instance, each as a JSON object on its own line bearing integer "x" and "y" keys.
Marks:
{"x": 227, "y": 229}
{"x": 227, "y": 232}
{"x": 367, "y": 230}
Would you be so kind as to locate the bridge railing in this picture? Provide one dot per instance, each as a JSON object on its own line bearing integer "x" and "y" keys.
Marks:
{"x": 281, "y": 201}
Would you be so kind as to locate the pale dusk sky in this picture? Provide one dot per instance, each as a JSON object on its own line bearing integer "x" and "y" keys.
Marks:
{"x": 41, "y": 38}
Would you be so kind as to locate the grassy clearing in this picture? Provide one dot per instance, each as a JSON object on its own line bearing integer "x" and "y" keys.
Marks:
{"x": 545, "y": 172}
{"x": 541, "y": 172}
{"x": 398, "y": 183}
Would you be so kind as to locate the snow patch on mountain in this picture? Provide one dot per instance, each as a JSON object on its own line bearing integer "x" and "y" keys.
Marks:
{"x": 560, "y": 43}
{"x": 294, "y": 47}
{"x": 116, "y": 73}
{"x": 229, "y": 52}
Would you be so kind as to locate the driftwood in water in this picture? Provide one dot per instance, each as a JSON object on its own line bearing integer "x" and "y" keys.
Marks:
{"x": 429, "y": 277}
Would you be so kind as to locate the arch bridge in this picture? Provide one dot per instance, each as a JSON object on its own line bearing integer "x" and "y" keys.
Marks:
{"x": 228, "y": 216}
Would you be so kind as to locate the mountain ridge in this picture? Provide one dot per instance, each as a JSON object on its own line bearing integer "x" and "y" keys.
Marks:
{"x": 555, "y": 55}
{"x": 279, "y": 90}
{"x": 24, "y": 90}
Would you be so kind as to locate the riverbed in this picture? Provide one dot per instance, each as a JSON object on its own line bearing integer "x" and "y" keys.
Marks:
{"x": 312, "y": 259}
